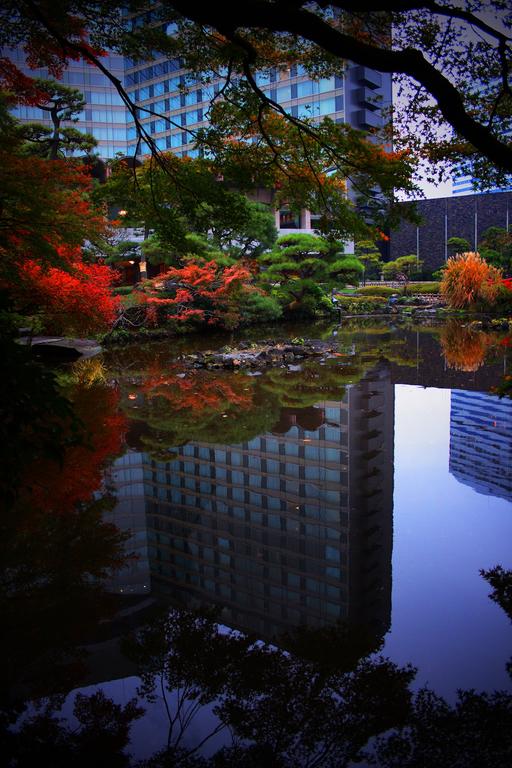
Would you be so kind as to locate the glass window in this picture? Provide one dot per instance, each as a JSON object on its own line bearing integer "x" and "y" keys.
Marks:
{"x": 326, "y": 84}
{"x": 254, "y": 462}
{"x": 331, "y": 553}
{"x": 273, "y": 482}
{"x": 284, "y": 94}
{"x": 305, "y": 88}
{"x": 272, "y": 446}
{"x": 312, "y": 472}
{"x": 190, "y": 98}
{"x": 175, "y": 141}
{"x": 327, "y": 106}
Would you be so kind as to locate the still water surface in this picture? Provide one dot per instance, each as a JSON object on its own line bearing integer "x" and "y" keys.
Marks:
{"x": 337, "y": 511}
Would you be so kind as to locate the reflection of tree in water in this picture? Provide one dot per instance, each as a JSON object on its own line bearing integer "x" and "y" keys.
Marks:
{"x": 58, "y": 486}
{"x": 174, "y": 405}
{"x": 307, "y": 386}
{"x": 318, "y": 701}
{"x": 54, "y": 546}
{"x": 178, "y": 405}
{"x": 273, "y": 707}
{"x": 501, "y": 583}
{"x": 465, "y": 348}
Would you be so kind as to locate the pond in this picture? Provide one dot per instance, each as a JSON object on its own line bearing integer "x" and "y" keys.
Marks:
{"x": 306, "y": 564}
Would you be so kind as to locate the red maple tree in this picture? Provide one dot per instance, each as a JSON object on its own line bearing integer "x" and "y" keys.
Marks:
{"x": 203, "y": 290}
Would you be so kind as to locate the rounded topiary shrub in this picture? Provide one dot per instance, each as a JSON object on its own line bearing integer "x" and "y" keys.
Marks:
{"x": 260, "y": 308}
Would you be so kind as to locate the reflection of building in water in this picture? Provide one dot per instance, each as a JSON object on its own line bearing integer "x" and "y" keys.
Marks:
{"x": 127, "y": 477}
{"x": 481, "y": 442}
{"x": 293, "y": 527}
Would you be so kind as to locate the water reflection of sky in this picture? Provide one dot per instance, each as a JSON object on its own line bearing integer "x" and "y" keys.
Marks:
{"x": 444, "y": 532}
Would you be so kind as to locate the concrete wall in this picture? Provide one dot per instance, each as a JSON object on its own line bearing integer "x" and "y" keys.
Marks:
{"x": 468, "y": 217}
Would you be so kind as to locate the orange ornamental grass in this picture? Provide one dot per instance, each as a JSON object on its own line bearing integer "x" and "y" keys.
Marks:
{"x": 468, "y": 279}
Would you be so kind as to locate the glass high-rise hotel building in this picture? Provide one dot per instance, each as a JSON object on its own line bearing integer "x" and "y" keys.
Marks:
{"x": 356, "y": 95}
{"x": 104, "y": 115}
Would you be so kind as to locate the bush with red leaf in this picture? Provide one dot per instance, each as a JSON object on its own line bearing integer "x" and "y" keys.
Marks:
{"x": 202, "y": 290}
{"x": 78, "y": 301}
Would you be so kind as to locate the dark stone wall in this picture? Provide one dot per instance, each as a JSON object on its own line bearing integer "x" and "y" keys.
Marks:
{"x": 466, "y": 216}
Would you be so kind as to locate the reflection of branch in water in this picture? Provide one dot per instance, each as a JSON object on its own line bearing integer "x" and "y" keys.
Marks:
{"x": 501, "y": 582}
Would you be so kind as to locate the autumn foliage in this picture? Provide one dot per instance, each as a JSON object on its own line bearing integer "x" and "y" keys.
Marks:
{"x": 203, "y": 291}
{"x": 45, "y": 217}
{"x": 78, "y": 301}
{"x": 464, "y": 348}
{"x": 55, "y": 487}
{"x": 197, "y": 391}
{"x": 469, "y": 280}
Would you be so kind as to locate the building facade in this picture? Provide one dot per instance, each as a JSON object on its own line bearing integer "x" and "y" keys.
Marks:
{"x": 356, "y": 95}
{"x": 467, "y": 216}
{"x": 104, "y": 115}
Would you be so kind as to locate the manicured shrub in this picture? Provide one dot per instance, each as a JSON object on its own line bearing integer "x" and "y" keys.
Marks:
{"x": 376, "y": 290}
{"x": 427, "y": 287}
{"x": 260, "y": 308}
{"x": 469, "y": 281}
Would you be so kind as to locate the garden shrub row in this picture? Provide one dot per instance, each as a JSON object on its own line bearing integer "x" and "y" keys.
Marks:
{"x": 386, "y": 290}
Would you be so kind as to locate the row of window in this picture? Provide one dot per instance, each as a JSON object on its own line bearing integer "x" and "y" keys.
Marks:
{"x": 291, "y": 487}
{"x": 153, "y": 71}
{"x": 280, "y": 449}
{"x": 282, "y": 94}
{"x": 181, "y": 509}
{"x": 288, "y": 590}
{"x": 278, "y": 473}
{"x": 108, "y": 97}
{"x": 259, "y": 604}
